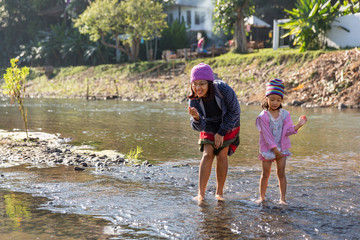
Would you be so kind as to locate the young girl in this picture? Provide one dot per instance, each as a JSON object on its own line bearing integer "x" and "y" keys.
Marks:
{"x": 215, "y": 113}
{"x": 275, "y": 126}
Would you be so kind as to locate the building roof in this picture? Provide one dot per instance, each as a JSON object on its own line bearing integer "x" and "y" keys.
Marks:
{"x": 256, "y": 22}
{"x": 194, "y": 3}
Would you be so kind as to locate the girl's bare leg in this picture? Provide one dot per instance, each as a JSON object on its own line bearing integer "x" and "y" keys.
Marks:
{"x": 281, "y": 163}
{"x": 221, "y": 173}
{"x": 205, "y": 170}
{"x": 266, "y": 170}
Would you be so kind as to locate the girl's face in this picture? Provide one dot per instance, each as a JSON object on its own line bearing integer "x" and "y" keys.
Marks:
{"x": 200, "y": 87}
{"x": 274, "y": 101}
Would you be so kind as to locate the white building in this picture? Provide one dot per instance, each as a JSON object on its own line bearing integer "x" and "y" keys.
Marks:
{"x": 196, "y": 13}
{"x": 344, "y": 32}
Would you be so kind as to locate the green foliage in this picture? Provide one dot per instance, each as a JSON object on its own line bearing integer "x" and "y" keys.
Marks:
{"x": 174, "y": 37}
{"x": 134, "y": 155}
{"x": 14, "y": 86}
{"x": 310, "y": 21}
{"x": 76, "y": 7}
{"x": 127, "y": 21}
{"x": 229, "y": 18}
{"x": 19, "y": 23}
{"x": 350, "y": 7}
{"x": 225, "y": 14}
{"x": 63, "y": 45}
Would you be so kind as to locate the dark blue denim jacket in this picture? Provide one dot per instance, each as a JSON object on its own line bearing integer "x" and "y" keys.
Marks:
{"x": 227, "y": 101}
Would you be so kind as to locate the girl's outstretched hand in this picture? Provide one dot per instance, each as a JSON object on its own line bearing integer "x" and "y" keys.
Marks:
{"x": 302, "y": 120}
{"x": 194, "y": 113}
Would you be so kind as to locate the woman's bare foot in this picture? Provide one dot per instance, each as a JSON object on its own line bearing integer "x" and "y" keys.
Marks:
{"x": 199, "y": 198}
{"x": 220, "y": 197}
{"x": 283, "y": 202}
{"x": 260, "y": 200}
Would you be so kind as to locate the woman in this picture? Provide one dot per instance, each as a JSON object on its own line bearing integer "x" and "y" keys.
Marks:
{"x": 215, "y": 113}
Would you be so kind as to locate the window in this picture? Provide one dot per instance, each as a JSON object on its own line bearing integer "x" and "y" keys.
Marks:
{"x": 199, "y": 17}
{"x": 188, "y": 18}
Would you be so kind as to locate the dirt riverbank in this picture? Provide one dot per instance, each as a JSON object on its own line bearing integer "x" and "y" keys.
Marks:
{"x": 330, "y": 80}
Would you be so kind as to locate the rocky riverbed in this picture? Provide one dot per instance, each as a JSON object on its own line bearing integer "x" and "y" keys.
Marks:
{"x": 49, "y": 149}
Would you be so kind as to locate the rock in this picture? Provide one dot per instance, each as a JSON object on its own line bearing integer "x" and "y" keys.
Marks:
{"x": 342, "y": 106}
{"x": 296, "y": 103}
{"x": 99, "y": 165}
{"x": 145, "y": 163}
{"x": 79, "y": 169}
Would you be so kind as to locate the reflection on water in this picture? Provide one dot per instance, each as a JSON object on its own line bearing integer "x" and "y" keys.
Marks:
{"x": 163, "y": 129}
{"x": 23, "y": 221}
{"x": 16, "y": 208}
{"x": 156, "y": 202}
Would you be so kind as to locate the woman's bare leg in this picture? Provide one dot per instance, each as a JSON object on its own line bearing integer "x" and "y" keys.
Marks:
{"x": 221, "y": 173}
{"x": 205, "y": 170}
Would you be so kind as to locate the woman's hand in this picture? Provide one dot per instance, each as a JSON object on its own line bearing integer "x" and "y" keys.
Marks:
{"x": 218, "y": 141}
{"x": 194, "y": 113}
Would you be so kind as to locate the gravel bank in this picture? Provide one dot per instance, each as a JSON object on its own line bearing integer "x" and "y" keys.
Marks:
{"x": 49, "y": 149}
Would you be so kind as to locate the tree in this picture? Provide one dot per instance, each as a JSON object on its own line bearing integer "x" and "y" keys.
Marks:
{"x": 14, "y": 86}
{"x": 310, "y": 21}
{"x": 127, "y": 22}
{"x": 174, "y": 37}
{"x": 19, "y": 23}
{"x": 229, "y": 17}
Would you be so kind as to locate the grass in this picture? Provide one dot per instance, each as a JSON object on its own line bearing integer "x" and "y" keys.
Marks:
{"x": 101, "y": 79}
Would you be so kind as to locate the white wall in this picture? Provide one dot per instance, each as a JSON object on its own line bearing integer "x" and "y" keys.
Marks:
{"x": 337, "y": 37}
{"x": 278, "y": 32}
{"x": 207, "y": 25}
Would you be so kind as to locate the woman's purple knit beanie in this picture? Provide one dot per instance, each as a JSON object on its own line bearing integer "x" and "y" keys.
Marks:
{"x": 202, "y": 71}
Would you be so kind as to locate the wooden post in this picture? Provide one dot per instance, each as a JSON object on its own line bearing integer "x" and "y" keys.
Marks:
{"x": 87, "y": 89}
{"x": 117, "y": 90}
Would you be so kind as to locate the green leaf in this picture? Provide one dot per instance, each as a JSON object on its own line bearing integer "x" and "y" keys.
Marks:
{"x": 314, "y": 10}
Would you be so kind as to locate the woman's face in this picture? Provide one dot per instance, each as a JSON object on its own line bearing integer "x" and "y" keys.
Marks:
{"x": 274, "y": 101}
{"x": 200, "y": 87}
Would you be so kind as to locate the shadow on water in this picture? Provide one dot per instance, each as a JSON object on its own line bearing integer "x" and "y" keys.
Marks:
{"x": 156, "y": 202}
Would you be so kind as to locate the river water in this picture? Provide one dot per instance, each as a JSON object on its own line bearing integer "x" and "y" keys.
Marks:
{"x": 43, "y": 202}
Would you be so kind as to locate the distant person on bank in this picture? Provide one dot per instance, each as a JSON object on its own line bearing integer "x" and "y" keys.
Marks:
{"x": 215, "y": 113}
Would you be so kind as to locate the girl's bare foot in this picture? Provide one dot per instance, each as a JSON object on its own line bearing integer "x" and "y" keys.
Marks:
{"x": 220, "y": 197}
{"x": 199, "y": 198}
{"x": 283, "y": 202}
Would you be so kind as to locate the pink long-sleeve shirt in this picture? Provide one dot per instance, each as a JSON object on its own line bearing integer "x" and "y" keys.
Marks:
{"x": 266, "y": 139}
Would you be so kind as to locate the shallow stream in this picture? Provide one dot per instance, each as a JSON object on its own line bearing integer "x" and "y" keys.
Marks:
{"x": 42, "y": 202}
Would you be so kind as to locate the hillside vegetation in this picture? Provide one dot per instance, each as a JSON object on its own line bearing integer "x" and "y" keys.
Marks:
{"x": 313, "y": 78}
